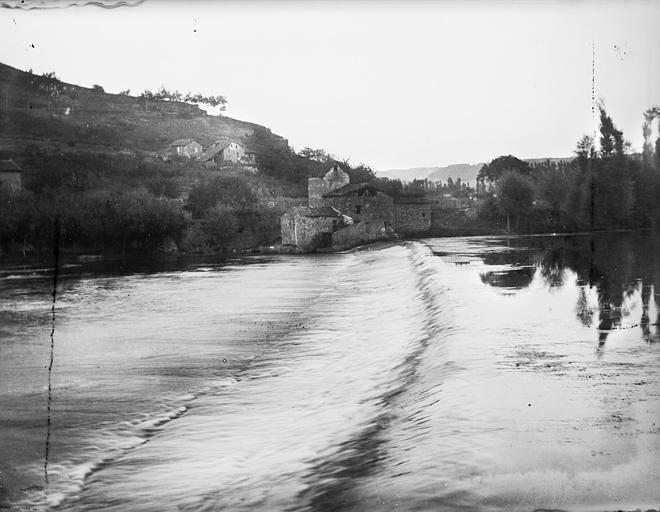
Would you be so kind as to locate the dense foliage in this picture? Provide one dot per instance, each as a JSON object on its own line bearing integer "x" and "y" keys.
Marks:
{"x": 602, "y": 188}
{"x": 114, "y": 203}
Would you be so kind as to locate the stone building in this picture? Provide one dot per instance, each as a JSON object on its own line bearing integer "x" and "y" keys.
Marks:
{"x": 411, "y": 215}
{"x": 341, "y": 214}
{"x": 362, "y": 201}
{"x": 187, "y": 148}
{"x": 10, "y": 175}
{"x": 223, "y": 151}
{"x": 317, "y": 187}
{"x": 229, "y": 152}
{"x": 310, "y": 228}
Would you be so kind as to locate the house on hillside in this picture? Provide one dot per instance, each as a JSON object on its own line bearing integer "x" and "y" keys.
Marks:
{"x": 188, "y": 148}
{"x": 371, "y": 214}
{"x": 10, "y": 175}
{"x": 229, "y": 152}
{"x": 223, "y": 151}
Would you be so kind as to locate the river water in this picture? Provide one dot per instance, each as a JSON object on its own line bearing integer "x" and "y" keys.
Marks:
{"x": 443, "y": 374}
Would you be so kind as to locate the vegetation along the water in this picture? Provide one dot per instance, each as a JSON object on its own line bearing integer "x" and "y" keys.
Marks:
{"x": 98, "y": 172}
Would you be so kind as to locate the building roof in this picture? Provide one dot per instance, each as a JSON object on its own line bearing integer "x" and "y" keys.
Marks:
{"x": 181, "y": 142}
{"x": 215, "y": 148}
{"x": 352, "y": 188}
{"x": 323, "y": 211}
{"x": 9, "y": 166}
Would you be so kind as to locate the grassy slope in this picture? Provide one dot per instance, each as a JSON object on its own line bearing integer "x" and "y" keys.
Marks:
{"x": 83, "y": 119}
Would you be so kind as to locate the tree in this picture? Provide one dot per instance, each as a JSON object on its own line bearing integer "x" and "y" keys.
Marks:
{"x": 651, "y": 154}
{"x": 611, "y": 139}
{"x": 496, "y": 168}
{"x": 318, "y": 155}
{"x": 230, "y": 191}
{"x": 146, "y": 96}
{"x": 360, "y": 173}
{"x": 585, "y": 151}
{"x": 220, "y": 226}
{"x": 514, "y": 196}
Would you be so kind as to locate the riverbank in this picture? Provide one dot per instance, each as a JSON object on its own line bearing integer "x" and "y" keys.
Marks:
{"x": 68, "y": 256}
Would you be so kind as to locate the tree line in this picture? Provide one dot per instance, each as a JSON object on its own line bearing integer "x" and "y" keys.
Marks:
{"x": 164, "y": 94}
{"x": 120, "y": 204}
{"x": 603, "y": 187}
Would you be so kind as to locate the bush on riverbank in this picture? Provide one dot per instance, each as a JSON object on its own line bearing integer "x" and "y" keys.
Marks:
{"x": 100, "y": 220}
{"x": 221, "y": 213}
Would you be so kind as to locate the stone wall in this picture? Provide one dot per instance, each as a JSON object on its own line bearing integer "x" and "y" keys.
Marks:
{"x": 233, "y": 153}
{"x": 357, "y": 234}
{"x": 306, "y": 233}
{"x": 409, "y": 218}
{"x": 362, "y": 208}
{"x": 288, "y": 227}
{"x": 190, "y": 150}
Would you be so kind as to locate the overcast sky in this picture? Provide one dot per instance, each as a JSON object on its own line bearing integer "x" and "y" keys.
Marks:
{"x": 391, "y": 84}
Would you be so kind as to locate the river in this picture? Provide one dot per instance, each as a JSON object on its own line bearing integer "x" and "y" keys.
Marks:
{"x": 483, "y": 373}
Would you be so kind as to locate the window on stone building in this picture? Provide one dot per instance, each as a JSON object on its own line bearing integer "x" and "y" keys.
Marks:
{"x": 358, "y": 209}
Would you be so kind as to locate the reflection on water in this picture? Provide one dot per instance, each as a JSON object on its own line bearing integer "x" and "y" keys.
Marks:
{"x": 617, "y": 266}
{"x": 494, "y": 374}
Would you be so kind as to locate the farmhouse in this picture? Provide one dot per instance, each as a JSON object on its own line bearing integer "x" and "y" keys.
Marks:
{"x": 228, "y": 152}
{"x": 223, "y": 151}
{"x": 188, "y": 148}
{"x": 10, "y": 175}
{"x": 372, "y": 214}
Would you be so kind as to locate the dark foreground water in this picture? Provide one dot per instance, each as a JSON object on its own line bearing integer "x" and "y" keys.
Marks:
{"x": 446, "y": 374}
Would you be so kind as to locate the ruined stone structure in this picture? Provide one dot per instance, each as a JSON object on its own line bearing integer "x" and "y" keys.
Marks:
{"x": 10, "y": 175}
{"x": 310, "y": 228}
{"x": 317, "y": 187}
{"x": 335, "y": 203}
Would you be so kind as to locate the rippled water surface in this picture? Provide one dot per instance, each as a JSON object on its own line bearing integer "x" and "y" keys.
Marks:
{"x": 444, "y": 374}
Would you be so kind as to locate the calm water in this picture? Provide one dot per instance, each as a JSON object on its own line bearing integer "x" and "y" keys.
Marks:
{"x": 446, "y": 374}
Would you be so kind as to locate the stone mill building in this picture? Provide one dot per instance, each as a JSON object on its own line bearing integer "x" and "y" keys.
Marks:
{"x": 341, "y": 214}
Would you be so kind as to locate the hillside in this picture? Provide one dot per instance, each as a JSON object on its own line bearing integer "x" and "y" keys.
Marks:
{"x": 92, "y": 177}
{"x": 59, "y": 115}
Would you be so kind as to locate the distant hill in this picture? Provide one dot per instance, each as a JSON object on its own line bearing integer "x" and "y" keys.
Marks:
{"x": 467, "y": 172}
{"x": 58, "y": 115}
